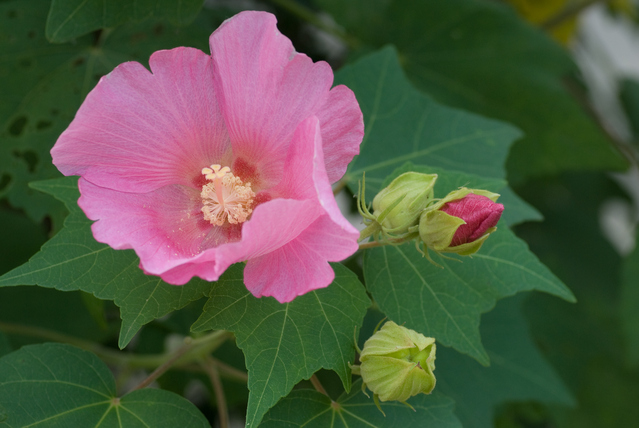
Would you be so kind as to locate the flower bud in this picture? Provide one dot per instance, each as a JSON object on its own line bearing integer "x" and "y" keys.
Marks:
{"x": 397, "y": 363}
{"x": 461, "y": 222}
{"x": 399, "y": 205}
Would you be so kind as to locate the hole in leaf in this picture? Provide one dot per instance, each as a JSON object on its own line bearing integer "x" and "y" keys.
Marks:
{"x": 30, "y": 158}
{"x": 137, "y": 38}
{"x": 4, "y": 181}
{"x": 17, "y": 126}
{"x": 48, "y": 223}
{"x": 43, "y": 124}
{"x": 78, "y": 62}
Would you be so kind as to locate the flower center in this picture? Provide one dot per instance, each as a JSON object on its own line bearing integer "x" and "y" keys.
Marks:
{"x": 225, "y": 197}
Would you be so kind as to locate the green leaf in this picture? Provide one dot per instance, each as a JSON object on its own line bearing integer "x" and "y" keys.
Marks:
{"x": 20, "y": 240}
{"x": 63, "y": 386}
{"x": 630, "y": 305}
{"x": 73, "y": 260}
{"x": 43, "y": 85}
{"x": 404, "y": 125}
{"x": 446, "y": 303}
{"x": 69, "y": 19}
{"x": 478, "y": 55}
{"x": 629, "y": 94}
{"x": 285, "y": 343}
{"x": 584, "y": 342}
{"x": 5, "y": 347}
{"x": 310, "y": 409}
{"x": 518, "y": 371}
{"x": 41, "y": 308}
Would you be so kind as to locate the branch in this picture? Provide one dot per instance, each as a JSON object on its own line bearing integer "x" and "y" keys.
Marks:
{"x": 210, "y": 366}
{"x": 195, "y": 348}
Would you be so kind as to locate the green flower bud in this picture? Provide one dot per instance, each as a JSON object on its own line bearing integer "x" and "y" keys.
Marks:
{"x": 397, "y": 363}
{"x": 399, "y": 205}
{"x": 460, "y": 222}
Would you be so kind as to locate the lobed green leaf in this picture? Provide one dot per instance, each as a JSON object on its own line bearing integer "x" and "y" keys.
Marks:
{"x": 310, "y": 409}
{"x": 74, "y": 260}
{"x": 630, "y": 305}
{"x": 62, "y": 386}
{"x": 446, "y": 303}
{"x": 286, "y": 343}
{"x": 629, "y": 95}
{"x": 43, "y": 85}
{"x": 518, "y": 370}
{"x": 584, "y": 342}
{"x": 481, "y": 56}
{"x": 69, "y": 19}
{"x": 5, "y": 346}
{"x": 403, "y": 125}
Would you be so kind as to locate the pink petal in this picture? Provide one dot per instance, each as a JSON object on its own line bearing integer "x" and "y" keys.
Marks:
{"x": 298, "y": 236}
{"x": 342, "y": 125}
{"x": 301, "y": 265}
{"x": 265, "y": 88}
{"x": 275, "y": 223}
{"x": 138, "y": 131}
{"x": 164, "y": 227}
{"x": 480, "y": 214}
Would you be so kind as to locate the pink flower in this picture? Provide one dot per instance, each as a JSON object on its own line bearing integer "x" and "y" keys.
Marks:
{"x": 480, "y": 214}
{"x": 207, "y": 161}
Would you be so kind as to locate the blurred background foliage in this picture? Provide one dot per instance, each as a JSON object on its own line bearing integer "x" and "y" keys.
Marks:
{"x": 530, "y": 63}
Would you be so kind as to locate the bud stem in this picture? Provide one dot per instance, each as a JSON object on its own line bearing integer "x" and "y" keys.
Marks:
{"x": 370, "y": 230}
{"x": 339, "y": 186}
{"x": 372, "y": 244}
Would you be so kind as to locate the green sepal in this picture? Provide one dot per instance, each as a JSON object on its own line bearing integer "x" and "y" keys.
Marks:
{"x": 470, "y": 247}
{"x": 437, "y": 229}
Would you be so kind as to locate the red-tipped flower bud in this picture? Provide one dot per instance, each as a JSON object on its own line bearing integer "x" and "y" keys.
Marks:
{"x": 480, "y": 214}
{"x": 461, "y": 222}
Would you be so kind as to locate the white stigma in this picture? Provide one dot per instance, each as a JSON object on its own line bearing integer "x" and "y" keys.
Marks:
{"x": 225, "y": 197}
